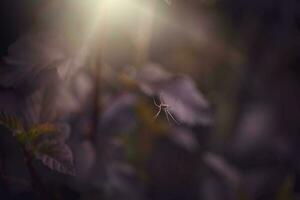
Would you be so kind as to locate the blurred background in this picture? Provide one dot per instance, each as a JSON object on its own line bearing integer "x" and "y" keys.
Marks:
{"x": 149, "y": 99}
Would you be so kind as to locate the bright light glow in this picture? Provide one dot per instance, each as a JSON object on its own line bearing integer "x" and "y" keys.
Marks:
{"x": 117, "y": 4}
{"x": 117, "y": 8}
{"x": 108, "y": 18}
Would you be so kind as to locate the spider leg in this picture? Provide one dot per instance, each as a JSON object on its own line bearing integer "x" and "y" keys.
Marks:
{"x": 172, "y": 117}
{"x": 155, "y": 103}
{"x": 166, "y": 113}
{"x": 157, "y": 112}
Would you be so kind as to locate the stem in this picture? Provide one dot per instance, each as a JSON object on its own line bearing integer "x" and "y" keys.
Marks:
{"x": 97, "y": 65}
{"x": 3, "y": 182}
{"x": 36, "y": 182}
{"x": 96, "y": 107}
{"x": 144, "y": 34}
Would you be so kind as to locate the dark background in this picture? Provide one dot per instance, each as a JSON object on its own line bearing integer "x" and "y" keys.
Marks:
{"x": 242, "y": 55}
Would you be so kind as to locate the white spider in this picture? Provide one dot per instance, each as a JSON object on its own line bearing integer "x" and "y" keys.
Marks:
{"x": 165, "y": 107}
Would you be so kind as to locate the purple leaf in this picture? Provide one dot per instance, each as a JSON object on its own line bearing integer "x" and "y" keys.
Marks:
{"x": 180, "y": 93}
{"x": 223, "y": 168}
{"x": 52, "y": 150}
{"x": 119, "y": 115}
{"x": 35, "y": 52}
{"x": 59, "y": 158}
{"x": 184, "y": 138}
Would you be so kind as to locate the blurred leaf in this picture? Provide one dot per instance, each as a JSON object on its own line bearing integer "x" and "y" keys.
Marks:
{"x": 10, "y": 122}
{"x": 119, "y": 117}
{"x": 36, "y": 57}
{"x": 180, "y": 93}
{"x": 57, "y": 156}
{"x": 46, "y": 141}
{"x": 40, "y": 129}
{"x": 218, "y": 164}
{"x": 184, "y": 138}
{"x": 186, "y": 102}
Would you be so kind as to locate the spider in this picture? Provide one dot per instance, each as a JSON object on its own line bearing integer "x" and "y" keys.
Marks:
{"x": 165, "y": 107}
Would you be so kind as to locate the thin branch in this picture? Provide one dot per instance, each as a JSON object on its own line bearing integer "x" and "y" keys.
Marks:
{"x": 36, "y": 182}
{"x": 4, "y": 182}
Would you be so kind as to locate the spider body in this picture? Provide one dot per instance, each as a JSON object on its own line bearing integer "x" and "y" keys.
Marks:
{"x": 165, "y": 108}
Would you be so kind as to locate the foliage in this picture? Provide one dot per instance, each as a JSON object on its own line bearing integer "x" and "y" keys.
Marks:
{"x": 45, "y": 141}
{"x": 172, "y": 100}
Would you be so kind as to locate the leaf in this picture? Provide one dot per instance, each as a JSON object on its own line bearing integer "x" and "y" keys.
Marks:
{"x": 40, "y": 129}
{"x": 48, "y": 142}
{"x": 56, "y": 156}
{"x": 10, "y": 122}
{"x": 186, "y": 102}
{"x": 223, "y": 168}
{"x": 119, "y": 116}
{"x": 15, "y": 126}
{"x": 179, "y": 92}
{"x": 36, "y": 51}
{"x": 184, "y": 138}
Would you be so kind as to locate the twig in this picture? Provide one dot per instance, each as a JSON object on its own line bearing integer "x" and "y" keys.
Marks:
{"x": 4, "y": 182}
{"x": 36, "y": 182}
{"x": 144, "y": 34}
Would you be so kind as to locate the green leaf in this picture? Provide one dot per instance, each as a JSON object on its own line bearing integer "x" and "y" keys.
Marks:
{"x": 48, "y": 143}
{"x": 39, "y": 130}
{"x": 10, "y": 122}
{"x": 45, "y": 141}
